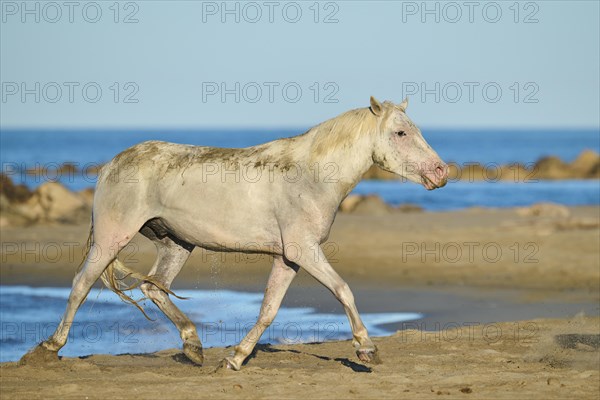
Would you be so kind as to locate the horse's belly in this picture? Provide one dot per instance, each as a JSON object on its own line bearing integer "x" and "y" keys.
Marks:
{"x": 223, "y": 220}
{"x": 243, "y": 235}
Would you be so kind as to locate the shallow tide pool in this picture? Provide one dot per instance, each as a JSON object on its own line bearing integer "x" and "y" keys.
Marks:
{"x": 105, "y": 324}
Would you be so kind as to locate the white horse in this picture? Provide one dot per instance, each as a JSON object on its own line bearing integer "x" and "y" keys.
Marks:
{"x": 282, "y": 195}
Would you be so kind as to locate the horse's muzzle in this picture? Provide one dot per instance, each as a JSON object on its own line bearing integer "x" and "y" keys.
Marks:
{"x": 435, "y": 177}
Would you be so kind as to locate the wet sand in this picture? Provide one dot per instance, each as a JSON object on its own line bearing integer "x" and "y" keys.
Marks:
{"x": 550, "y": 359}
{"x": 477, "y": 267}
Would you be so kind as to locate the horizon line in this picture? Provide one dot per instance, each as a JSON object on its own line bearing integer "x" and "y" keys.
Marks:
{"x": 284, "y": 128}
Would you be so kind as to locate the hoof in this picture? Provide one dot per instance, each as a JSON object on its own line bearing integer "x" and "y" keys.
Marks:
{"x": 228, "y": 364}
{"x": 39, "y": 355}
{"x": 369, "y": 356}
{"x": 193, "y": 351}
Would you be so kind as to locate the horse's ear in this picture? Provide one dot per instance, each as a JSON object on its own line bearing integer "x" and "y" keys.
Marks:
{"x": 375, "y": 106}
{"x": 404, "y": 104}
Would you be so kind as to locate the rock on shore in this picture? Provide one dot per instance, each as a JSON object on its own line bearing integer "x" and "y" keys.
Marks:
{"x": 50, "y": 203}
{"x": 373, "y": 205}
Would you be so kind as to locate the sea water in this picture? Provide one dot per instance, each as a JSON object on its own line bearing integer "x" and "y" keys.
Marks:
{"x": 22, "y": 150}
{"x": 106, "y": 325}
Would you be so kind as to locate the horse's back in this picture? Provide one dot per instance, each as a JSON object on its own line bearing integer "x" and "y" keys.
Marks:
{"x": 183, "y": 184}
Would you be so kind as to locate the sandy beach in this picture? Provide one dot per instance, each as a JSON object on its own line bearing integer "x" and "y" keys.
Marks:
{"x": 559, "y": 361}
{"x": 499, "y": 269}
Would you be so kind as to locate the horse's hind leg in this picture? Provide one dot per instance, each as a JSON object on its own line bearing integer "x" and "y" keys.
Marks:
{"x": 172, "y": 255}
{"x": 107, "y": 244}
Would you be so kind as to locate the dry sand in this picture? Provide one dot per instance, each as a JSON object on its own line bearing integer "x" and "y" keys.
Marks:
{"x": 527, "y": 266}
{"x": 475, "y": 247}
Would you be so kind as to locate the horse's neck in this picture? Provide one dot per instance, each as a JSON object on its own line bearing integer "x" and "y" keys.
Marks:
{"x": 345, "y": 166}
{"x": 351, "y": 171}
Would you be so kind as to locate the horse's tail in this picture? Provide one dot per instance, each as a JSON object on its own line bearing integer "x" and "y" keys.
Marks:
{"x": 114, "y": 277}
{"x": 116, "y": 272}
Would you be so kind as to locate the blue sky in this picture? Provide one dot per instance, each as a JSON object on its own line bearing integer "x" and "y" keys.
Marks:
{"x": 493, "y": 64}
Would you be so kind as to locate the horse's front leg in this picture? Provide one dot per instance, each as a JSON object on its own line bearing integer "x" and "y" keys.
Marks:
{"x": 316, "y": 264}
{"x": 279, "y": 280}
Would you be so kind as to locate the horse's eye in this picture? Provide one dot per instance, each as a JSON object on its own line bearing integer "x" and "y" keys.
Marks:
{"x": 401, "y": 133}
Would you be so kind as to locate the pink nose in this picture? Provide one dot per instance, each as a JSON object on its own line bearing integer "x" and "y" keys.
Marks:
{"x": 441, "y": 174}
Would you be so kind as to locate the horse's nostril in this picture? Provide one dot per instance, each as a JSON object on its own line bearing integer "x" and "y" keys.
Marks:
{"x": 439, "y": 171}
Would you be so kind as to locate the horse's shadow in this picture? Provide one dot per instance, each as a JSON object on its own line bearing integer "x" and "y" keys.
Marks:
{"x": 572, "y": 340}
{"x": 267, "y": 348}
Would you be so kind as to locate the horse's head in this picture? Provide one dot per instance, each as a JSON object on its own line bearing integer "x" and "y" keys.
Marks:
{"x": 400, "y": 148}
